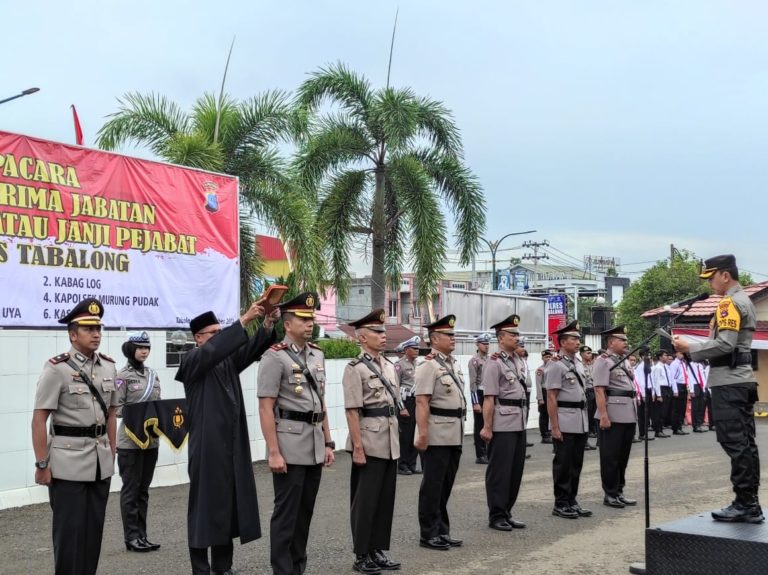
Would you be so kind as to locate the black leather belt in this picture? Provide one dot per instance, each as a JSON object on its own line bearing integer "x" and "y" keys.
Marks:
{"x": 448, "y": 412}
{"x": 732, "y": 360}
{"x": 312, "y": 417}
{"x": 571, "y": 404}
{"x": 620, "y": 392}
{"x": 511, "y": 402}
{"x": 91, "y": 431}
{"x": 378, "y": 411}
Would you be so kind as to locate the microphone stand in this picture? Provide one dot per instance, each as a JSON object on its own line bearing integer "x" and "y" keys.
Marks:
{"x": 639, "y": 568}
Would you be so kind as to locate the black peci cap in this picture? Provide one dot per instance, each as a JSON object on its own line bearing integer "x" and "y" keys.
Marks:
{"x": 202, "y": 321}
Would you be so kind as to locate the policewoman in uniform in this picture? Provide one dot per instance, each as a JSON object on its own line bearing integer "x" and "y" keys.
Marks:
{"x": 406, "y": 371}
{"x": 617, "y": 416}
{"x": 505, "y": 412}
{"x": 372, "y": 403}
{"x": 294, "y": 423}
{"x": 76, "y": 390}
{"x": 136, "y": 383}
{"x": 440, "y": 413}
{"x": 732, "y": 384}
{"x": 567, "y": 404}
{"x": 476, "y": 364}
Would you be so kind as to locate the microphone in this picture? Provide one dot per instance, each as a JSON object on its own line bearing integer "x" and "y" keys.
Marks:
{"x": 686, "y": 302}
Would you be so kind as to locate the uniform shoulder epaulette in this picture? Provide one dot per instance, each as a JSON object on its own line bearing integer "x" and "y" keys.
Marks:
{"x": 59, "y": 358}
{"x": 314, "y": 346}
{"x": 494, "y": 355}
{"x": 354, "y": 362}
{"x": 278, "y": 346}
{"x": 105, "y": 356}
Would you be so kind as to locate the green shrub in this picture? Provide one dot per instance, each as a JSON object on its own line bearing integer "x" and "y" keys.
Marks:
{"x": 338, "y": 348}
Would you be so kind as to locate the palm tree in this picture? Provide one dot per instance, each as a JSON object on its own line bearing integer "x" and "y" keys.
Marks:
{"x": 237, "y": 138}
{"x": 380, "y": 162}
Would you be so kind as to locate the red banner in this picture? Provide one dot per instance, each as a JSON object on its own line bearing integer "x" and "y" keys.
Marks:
{"x": 157, "y": 243}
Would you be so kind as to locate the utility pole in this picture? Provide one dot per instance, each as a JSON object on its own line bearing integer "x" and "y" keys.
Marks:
{"x": 494, "y": 246}
{"x": 535, "y": 257}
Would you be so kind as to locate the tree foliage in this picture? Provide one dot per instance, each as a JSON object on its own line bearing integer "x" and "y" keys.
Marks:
{"x": 666, "y": 282}
{"x": 382, "y": 163}
{"x": 246, "y": 146}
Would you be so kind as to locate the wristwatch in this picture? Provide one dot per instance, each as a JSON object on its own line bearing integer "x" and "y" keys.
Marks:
{"x": 331, "y": 444}
{"x": 42, "y": 464}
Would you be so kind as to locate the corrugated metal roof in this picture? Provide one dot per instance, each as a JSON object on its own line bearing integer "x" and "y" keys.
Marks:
{"x": 271, "y": 248}
{"x": 707, "y": 307}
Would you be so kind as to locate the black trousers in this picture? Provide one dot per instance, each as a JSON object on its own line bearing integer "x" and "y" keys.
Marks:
{"x": 408, "y": 452}
{"x": 666, "y": 405}
{"x": 440, "y": 465}
{"x": 506, "y": 461}
{"x": 544, "y": 420}
{"x": 481, "y": 449}
{"x": 295, "y": 494}
{"x": 708, "y": 407}
{"x": 78, "y": 524}
{"x": 137, "y": 466}
{"x": 698, "y": 403}
{"x": 734, "y": 418}
{"x": 641, "y": 419}
{"x": 221, "y": 559}
{"x": 591, "y": 409}
{"x": 657, "y": 415}
{"x": 680, "y": 404}
{"x": 615, "y": 445}
{"x": 566, "y": 467}
{"x": 372, "y": 503}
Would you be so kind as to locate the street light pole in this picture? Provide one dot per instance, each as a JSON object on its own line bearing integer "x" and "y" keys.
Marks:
{"x": 26, "y": 92}
{"x": 493, "y": 246}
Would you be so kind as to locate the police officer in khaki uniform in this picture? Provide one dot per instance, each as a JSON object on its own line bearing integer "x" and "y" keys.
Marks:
{"x": 732, "y": 384}
{"x": 587, "y": 362}
{"x": 617, "y": 415}
{"x": 406, "y": 371}
{"x": 441, "y": 410}
{"x": 476, "y": 364}
{"x": 541, "y": 397}
{"x": 294, "y": 422}
{"x": 77, "y": 391}
{"x": 136, "y": 383}
{"x": 505, "y": 412}
{"x": 567, "y": 404}
{"x": 372, "y": 403}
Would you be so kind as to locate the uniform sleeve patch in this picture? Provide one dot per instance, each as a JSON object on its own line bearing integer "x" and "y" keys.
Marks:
{"x": 119, "y": 383}
{"x": 728, "y": 316}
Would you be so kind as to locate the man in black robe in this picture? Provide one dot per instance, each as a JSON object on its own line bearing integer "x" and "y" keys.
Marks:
{"x": 222, "y": 489}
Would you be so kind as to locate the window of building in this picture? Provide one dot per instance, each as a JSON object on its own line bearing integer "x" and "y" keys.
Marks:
{"x": 393, "y": 308}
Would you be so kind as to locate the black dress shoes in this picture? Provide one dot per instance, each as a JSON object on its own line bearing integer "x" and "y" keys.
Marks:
{"x": 680, "y": 432}
{"x": 404, "y": 471}
{"x": 516, "y": 524}
{"x": 137, "y": 545}
{"x": 737, "y": 513}
{"x": 626, "y": 500}
{"x": 565, "y": 512}
{"x": 613, "y": 502}
{"x": 434, "y": 543}
{"x": 365, "y": 564}
{"x": 154, "y": 546}
{"x": 662, "y": 435}
{"x": 588, "y": 447}
{"x": 581, "y": 512}
{"x": 500, "y": 525}
{"x": 482, "y": 460}
{"x": 227, "y": 572}
{"x": 384, "y": 562}
{"x": 416, "y": 471}
{"x": 451, "y": 541}
{"x": 699, "y": 430}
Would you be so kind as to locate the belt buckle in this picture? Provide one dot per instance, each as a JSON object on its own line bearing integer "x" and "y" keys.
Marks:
{"x": 99, "y": 430}
{"x": 317, "y": 417}
{"x": 391, "y": 411}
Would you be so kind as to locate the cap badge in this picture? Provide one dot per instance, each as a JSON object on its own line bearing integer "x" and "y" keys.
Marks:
{"x": 515, "y": 321}
{"x": 310, "y": 301}
{"x": 381, "y": 317}
{"x": 451, "y": 322}
{"x": 94, "y": 308}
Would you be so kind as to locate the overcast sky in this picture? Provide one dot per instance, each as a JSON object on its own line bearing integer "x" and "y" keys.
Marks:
{"x": 612, "y": 127}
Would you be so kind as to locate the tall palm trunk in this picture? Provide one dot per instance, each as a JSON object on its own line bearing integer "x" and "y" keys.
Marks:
{"x": 379, "y": 227}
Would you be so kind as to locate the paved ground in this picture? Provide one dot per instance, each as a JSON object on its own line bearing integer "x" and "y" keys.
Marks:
{"x": 688, "y": 475}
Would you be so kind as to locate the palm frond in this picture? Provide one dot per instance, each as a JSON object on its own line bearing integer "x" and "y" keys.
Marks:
{"x": 148, "y": 120}
{"x": 463, "y": 194}
{"x": 204, "y": 114}
{"x": 336, "y": 144}
{"x": 395, "y": 239}
{"x": 396, "y": 112}
{"x": 338, "y": 84}
{"x": 261, "y": 121}
{"x": 336, "y": 217}
{"x": 194, "y": 150}
{"x": 425, "y": 222}
{"x": 435, "y": 122}
{"x": 251, "y": 260}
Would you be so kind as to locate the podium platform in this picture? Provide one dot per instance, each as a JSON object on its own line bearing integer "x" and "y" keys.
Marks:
{"x": 698, "y": 545}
